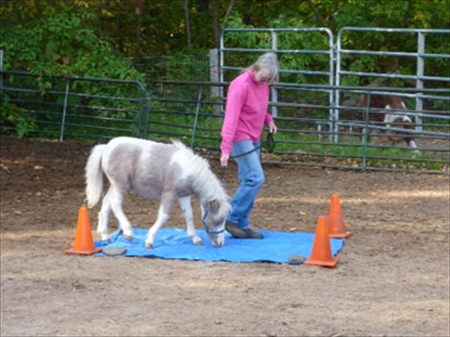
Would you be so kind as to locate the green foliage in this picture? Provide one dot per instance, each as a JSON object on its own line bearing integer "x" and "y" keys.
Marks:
{"x": 161, "y": 26}
{"x": 63, "y": 41}
{"x": 181, "y": 69}
{"x": 16, "y": 118}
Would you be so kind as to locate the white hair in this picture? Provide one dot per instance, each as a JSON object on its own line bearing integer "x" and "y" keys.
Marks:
{"x": 268, "y": 61}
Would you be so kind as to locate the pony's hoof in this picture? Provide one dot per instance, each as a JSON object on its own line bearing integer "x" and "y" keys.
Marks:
{"x": 199, "y": 243}
{"x": 128, "y": 237}
{"x": 105, "y": 237}
{"x": 148, "y": 245}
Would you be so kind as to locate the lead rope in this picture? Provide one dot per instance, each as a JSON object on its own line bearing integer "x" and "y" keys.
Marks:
{"x": 270, "y": 144}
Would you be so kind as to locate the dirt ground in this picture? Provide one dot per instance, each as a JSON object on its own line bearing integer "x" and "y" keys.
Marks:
{"x": 392, "y": 278}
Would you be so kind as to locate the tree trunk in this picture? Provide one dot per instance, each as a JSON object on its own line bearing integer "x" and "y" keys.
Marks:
{"x": 229, "y": 10}
{"x": 137, "y": 51}
{"x": 188, "y": 26}
{"x": 216, "y": 25}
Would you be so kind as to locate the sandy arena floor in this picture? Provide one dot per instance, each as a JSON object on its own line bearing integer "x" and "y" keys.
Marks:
{"x": 392, "y": 278}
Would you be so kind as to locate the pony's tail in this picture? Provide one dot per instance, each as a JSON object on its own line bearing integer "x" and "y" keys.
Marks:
{"x": 94, "y": 176}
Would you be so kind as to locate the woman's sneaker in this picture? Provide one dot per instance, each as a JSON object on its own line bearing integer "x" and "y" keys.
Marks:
{"x": 235, "y": 230}
{"x": 238, "y": 232}
{"x": 251, "y": 234}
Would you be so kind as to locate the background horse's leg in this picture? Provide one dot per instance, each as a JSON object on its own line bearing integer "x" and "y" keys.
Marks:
{"x": 116, "y": 198}
{"x": 103, "y": 216}
{"x": 165, "y": 207}
{"x": 404, "y": 122}
{"x": 186, "y": 207}
{"x": 409, "y": 139}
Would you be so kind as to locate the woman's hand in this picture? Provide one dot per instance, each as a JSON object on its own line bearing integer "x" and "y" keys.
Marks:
{"x": 224, "y": 160}
{"x": 273, "y": 128}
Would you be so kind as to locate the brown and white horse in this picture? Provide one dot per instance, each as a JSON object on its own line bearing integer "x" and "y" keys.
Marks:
{"x": 389, "y": 119}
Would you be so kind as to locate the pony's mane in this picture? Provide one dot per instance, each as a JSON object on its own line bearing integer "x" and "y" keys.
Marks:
{"x": 206, "y": 183}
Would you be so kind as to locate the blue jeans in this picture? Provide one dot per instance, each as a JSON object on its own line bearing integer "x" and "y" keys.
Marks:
{"x": 251, "y": 177}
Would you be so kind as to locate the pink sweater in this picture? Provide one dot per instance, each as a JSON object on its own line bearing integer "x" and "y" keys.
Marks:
{"x": 246, "y": 111}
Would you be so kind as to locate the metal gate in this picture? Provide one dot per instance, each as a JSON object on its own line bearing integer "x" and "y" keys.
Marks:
{"x": 60, "y": 106}
{"x": 420, "y": 77}
{"x": 308, "y": 101}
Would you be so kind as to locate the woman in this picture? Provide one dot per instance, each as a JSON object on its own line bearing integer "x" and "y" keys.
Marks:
{"x": 245, "y": 116}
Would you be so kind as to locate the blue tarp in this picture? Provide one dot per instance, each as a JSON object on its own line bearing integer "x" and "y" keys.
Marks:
{"x": 173, "y": 243}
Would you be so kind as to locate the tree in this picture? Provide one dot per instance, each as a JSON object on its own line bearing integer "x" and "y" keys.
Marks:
{"x": 188, "y": 28}
{"x": 163, "y": 28}
{"x": 61, "y": 41}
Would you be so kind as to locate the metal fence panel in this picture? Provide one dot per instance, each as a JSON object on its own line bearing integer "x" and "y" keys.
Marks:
{"x": 301, "y": 140}
{"x": 235, "y": 56}
{"x": 416, "y": 59}
{"x": 61, "y": 106}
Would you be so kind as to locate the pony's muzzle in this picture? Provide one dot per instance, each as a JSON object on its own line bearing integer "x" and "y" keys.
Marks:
{"x": 217, "y": 240}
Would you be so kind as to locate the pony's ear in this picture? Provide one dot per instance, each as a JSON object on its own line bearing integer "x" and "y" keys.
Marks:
{"x": 214, "y": 206}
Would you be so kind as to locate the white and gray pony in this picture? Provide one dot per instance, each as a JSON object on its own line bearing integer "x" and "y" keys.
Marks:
{"x": 168, "y": 172}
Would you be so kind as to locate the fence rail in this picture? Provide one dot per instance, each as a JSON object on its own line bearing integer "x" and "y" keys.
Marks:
{"x": 65, "y": 106}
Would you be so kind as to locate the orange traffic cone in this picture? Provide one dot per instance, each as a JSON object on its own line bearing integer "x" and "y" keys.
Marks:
{"x": 336, "y": 220}
{"x": 321, "y": 252}
{"x": 83, "y": 243}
